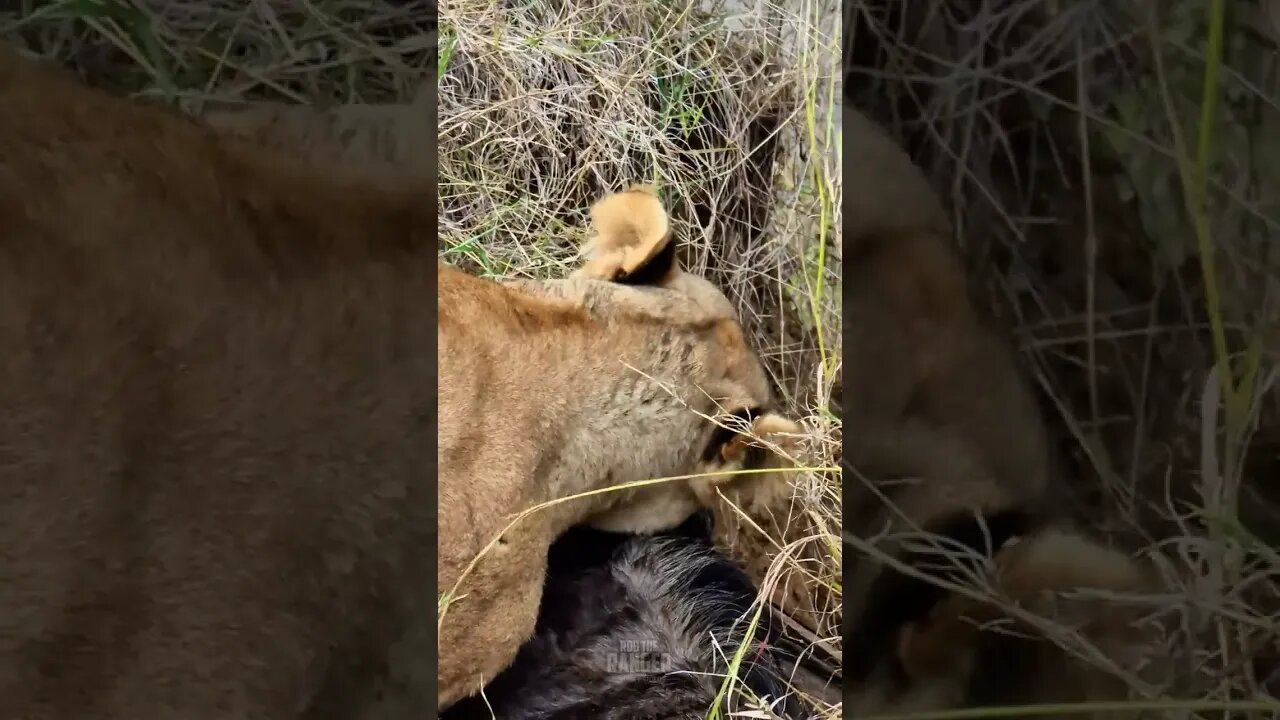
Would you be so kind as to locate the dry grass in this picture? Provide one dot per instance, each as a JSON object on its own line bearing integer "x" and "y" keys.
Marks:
{"x": 546, "y": 106}
{"x": 1123, "y": 219}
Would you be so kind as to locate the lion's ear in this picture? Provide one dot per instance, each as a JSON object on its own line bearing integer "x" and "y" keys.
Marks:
{"x": 729, "y": 447}
{"x": 769, "y": 427}
{"x": 632, "y": 242}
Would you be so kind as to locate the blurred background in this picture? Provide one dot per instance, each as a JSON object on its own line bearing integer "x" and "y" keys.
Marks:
{"x": 1113, "y": 171}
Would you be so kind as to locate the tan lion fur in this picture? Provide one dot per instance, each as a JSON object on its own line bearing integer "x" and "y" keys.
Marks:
{"x": 611, "y": 384}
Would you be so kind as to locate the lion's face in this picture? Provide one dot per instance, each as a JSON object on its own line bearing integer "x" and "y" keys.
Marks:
{"x": 739, "y": 454}
{"x": 732, "y": 424}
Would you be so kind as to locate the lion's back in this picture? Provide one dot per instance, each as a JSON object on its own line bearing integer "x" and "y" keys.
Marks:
{"x": 208, "y": 354}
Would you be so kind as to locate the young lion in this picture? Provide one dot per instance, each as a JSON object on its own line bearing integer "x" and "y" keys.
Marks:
{"x": 612, "y": 383}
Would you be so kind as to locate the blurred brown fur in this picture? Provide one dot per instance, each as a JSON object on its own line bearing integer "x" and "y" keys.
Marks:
{"x": 215, "y": 447}
{"x": 387, "y": 142}
{"x": 945, "y": 444}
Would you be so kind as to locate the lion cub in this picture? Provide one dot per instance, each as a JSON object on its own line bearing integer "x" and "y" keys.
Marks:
{"x": 949, "y": 477}
{"x": 555, "y": 388}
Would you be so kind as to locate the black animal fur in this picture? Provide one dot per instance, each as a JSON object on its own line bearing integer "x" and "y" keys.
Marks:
{"x": 625, "y": 632}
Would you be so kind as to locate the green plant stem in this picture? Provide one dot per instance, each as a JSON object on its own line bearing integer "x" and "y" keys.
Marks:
{"x": 1234, "y": 394}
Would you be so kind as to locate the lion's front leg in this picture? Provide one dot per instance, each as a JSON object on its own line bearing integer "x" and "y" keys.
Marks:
{"x": 492, "y": 615}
